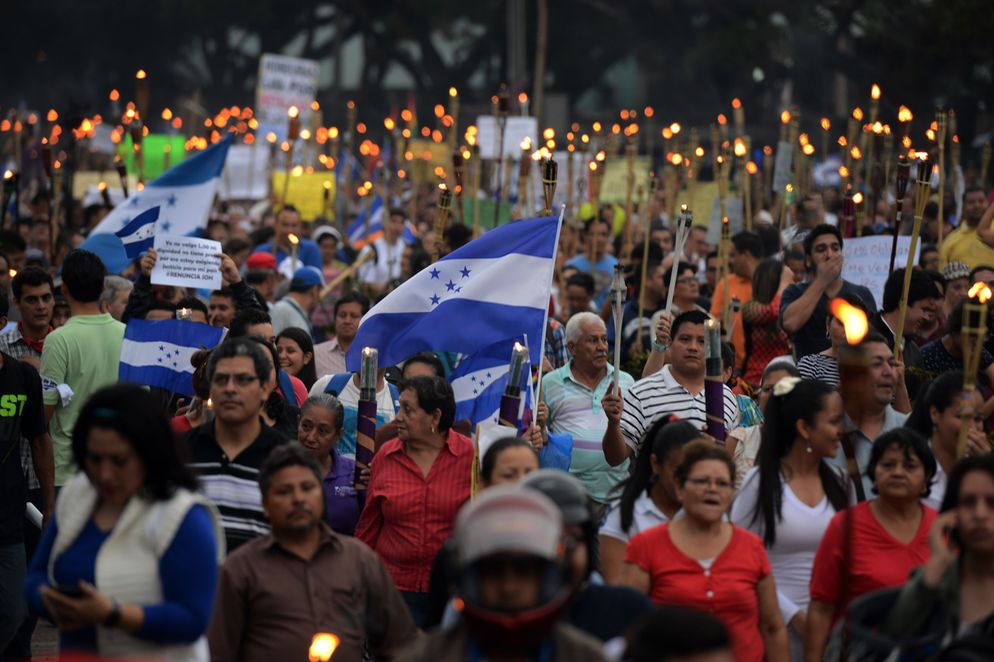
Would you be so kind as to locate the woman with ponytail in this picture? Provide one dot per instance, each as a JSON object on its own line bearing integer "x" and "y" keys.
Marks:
{"x": 648, "y": 495}
{"x": 791, "y": 495}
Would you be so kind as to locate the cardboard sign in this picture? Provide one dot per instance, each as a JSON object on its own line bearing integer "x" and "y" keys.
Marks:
{"x": 614, "y": 187}
{"x": 187, "y": 262}
{"x": 306, "y": 192}
{"x": 246, "y": 173}
{"x": 866, "y": 261}
{"x": 517, "y": 129}
{"x": 284, "y": 81}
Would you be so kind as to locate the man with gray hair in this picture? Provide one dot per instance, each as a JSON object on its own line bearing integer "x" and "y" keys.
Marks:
{"x": 573, "y": 395}
{"x": 114, "y": 298}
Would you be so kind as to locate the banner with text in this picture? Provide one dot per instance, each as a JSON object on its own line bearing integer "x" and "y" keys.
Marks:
{"x": 866, "y": 261}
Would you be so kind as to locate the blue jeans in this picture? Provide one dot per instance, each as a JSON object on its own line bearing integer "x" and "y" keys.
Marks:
{"x": 13, "y": 610}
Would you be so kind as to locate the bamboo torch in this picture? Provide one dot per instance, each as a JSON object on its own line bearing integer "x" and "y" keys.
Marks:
{"x": 921, "y": 198}
{"x": 714, "y": 391}
{"x": 682, "y": 232}
{"x": 442, "y": 218}
{"x": 647, "y": 228}
{"x": 293, "y": 130}
{"x": 366, "y": 415}
{"x": 974, "y": 333}
{"x": 631, "y": 150}
{"x": 940, "y": 137}
{"x": 550, "y": 176}
{"x": 618, "y": 291}
{"x": 903, "y": 175}
{"x": 122, "y": 174}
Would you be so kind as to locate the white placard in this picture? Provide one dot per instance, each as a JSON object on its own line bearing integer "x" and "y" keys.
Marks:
{"x": 518, "y": 128}
{"x": 489, "y": 433}
{"x": 866, "y": 261}
{"x": 782, "y": 167}
{"x": 284, "y": 81}
{"x": 187, "y": 262}
{"x": 736, "y": 220}
{"x": 246, "y": 173}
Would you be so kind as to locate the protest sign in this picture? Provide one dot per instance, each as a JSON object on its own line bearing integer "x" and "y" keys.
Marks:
{"x": 518, "y": 128}
{"x": 187, "y": 262}
{"x": 614, "y": 188}
{"x": 245, "y": 175}
{"x": 284, "y": 81}
{"x": 782, "y": 167}
{"x": 866, "y": 261}
{"x": 306, "y": 192}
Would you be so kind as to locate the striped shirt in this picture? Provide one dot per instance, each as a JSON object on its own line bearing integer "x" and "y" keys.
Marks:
{"x": 660, "y": 394}
{"x": 575, "y": 409}
{"x": 233, "y": 484}
{"x": 819, "y": 367}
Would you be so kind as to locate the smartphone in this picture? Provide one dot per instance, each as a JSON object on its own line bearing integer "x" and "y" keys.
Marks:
{"x": 70, "y": 590}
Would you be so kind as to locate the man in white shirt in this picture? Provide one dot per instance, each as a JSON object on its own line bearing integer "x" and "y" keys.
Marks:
{"x": 389, "y": 249}
{"x": 329, "y": 356}
{"x": 677, "y": 389}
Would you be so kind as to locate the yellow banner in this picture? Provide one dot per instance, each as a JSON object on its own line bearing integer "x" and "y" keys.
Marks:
{"x": 614, "y": 188}
{"x": 306, "y": 192}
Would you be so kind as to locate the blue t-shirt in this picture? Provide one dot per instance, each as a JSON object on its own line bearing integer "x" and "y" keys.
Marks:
{"x": 308, "y": 253}
{"x": 812, "y": 337}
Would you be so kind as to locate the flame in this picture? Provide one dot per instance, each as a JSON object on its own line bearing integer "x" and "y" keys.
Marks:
{"x": 8, "y": 175}
{"x": 522, "y": 98}
{"x": 667, "y": 133}
{"x": 803, "y": 139}
{"x": 323, "y": 646}
{"x": 676, "y": 159}
{"x": 808, "y": 149}
{"x": 877, "y": 127}
{"x": 875, "y": 92}
{"x": 114, "y": 95}
{"x": 906, "y": 142}
{"x": 722, "y": 120}
{"x": 825, "y": 124}
{"x": 980, "y": 291}
{"x": 699, "y": 152}
{"x": 842, "y": 141}
{"x": 904, "y": 114}
{"x": 333, "y": 132}
{"x": 736, "y": 103}
{"x": 853, "y": 320}
{"x": 141, "y": 75}
{"x": 406, "y": 115}
{"x": 856, "y": 153}
{"x": 293, "y": 239}
{"x": 439, "y": 110}
{"x": 752, "y": 168}
{"x": 623, "y": 114}
{"x": 526, "y": 144}
{"x": 648, "y": 111}
{"x": 675, "y": 128}
{"x": 596, "y": 126}
{"x": 930, "y": 134}
{"x": 293, "y": 112}
{"x": 857, "y": 198}
{"x": 740, "y": 148}
{"x": 389, "y": 124}
{"x": 167, "y": 114}
{"x": 593, "y": 166}
{"x": 767, "y": 150}
{"x": 785, "y": 117}
{"x": 601, "y": 155}
{"x": 549, "y": 134}
{"x": 843, "y": 171}
{"x": 857, "y": 114}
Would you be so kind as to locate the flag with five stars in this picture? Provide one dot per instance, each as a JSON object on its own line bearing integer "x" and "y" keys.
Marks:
{"x": 158, "y": 353}
{"x": 494, "y": 287}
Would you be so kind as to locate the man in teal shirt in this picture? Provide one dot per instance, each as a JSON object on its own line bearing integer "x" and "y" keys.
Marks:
{"x": 79, "y": 357}
{"x": 573, "y": 395}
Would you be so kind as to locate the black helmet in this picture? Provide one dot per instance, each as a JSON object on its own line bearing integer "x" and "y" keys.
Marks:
{"x": 565, "y": 491}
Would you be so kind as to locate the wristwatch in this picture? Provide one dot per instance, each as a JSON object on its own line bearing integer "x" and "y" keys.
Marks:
{"x": 658, "y": 346}
{"x": 114, "y": 617}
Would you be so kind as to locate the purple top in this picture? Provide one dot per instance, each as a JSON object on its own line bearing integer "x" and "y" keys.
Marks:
{"x": 343, "y": 502}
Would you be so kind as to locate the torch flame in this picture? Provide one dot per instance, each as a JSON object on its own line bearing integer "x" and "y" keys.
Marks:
{"x": 785, "y": 117}
{"x": 293, "y": 239}
{"x": 699, "y": 152}
{"x": 875, "y": 92}
{"x": 980, "y": 291}
{"x": 904, "y": 114}
{"x": 293, "y": 112}
{"x": 878, "y": 127}
{"x": 857, "y": 198}
{"x": 857, "y": 114}
{"x": 323, "y": 646}
{"x": 825, "y": 124}
{"x": 740, "y": 148}
{"x": 752, "y": 168}
{"x": 853, "y": 320}
{"x": 675, "y": 128}
{"x": 141, "y": 75}
{"x": 736, "y": 103}
{"x": 453, "y": 92}
{"x": 722, "y": 119}
{"x": 8, "y": 174}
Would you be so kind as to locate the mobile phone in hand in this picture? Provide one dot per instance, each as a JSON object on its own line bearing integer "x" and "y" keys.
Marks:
{"x": 70, "y": 590}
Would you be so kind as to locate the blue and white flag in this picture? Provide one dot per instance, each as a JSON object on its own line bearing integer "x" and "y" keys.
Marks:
{"x": 184, "y": 194}
{"x": 492, "y": 288}
{"x": 158, "y": 353}
{"x": 139, "y": 235}
{"x": 479, "y": 382}
{"x": 358, "y": 237}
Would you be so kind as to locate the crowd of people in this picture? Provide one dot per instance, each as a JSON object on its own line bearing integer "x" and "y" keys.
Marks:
{"x": 237, "y": 524}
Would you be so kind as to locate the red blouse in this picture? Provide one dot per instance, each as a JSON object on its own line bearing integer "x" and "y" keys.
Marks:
{"x": 408, "y": 515}
{"x": 878, "y": 559}
{"x": 727, "y": 590}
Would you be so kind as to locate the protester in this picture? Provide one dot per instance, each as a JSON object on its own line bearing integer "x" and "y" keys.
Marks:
{"x": 254, "y": 323}
{"x": 867, "y": 397}
{"x": 79, "y": 358}
{"x": 967, "y": 243}
{"x": 876, "y": 543}
{"x": 507, "y": 461}
{"x": 329, "y": 356}
{"x": 791, "y": 495}
{"x": 289, "y": 222}
{"x": 678, "y": 634}
{"x": 580, "y": 289}
{"x": 387, "y": 250}
{"x": 648, "y": 496}
{"x": 824, "y": 366}
{"x": 319, "y": 431}
{"x": 115, "y": 296}
{"x": 938, "y": 416}
{"x": 128, "y": 564}
{"x": 701, "y": 561}
{"x": 687, "y": 291}
{"x": 294, "y": 310}
{"x": 764, "y": 339}
{"x": 952, "y": 585}
{"x": 946, "y": 354}
{"x": 346, "y": 590}
{"x": 296, "y": 352}
{"x": 596, "y": 234}
{"x": 804, "y": 307}
{"x": 918, "y": 310}
{"x": 573, "y": 393}
{"x": 511, "y": 579}
{"x": 677, "y": 389}
{"x": 34, "y": 297}
{"x": 227, "y": 451}
{"x": 417, "y": 484}
{"x": 957, "y": 279}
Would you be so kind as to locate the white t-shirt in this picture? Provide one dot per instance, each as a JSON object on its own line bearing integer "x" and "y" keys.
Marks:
{"x": 386, "y": 267}
{"x": 938, "y": 490}
{"x": 645, "y": 515}
{"x": 799, "y": 532}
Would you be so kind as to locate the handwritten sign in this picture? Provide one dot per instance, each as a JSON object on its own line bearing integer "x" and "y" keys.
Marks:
{"x": 187, "y": 262}
{"x": 866, "y": 261}
{"x": 518, "y": 128}
{"x": 284, "y": 81}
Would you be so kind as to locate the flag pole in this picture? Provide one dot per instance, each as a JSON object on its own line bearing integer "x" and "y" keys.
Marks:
{"x": 545, "y": 318}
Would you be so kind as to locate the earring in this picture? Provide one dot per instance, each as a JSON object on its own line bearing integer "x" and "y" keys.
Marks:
{"x": 808, "y": 444}
{"x": 433, "y": 429}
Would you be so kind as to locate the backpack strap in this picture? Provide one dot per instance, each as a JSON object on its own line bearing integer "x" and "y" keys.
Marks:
{"x": 337, "y": 383}
{"x": 394, "y": 397}
{"x": 286, "y": 386}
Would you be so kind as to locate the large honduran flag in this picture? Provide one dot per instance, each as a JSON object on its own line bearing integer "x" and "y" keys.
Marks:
{"x": 493, "y": 288}
{"x": 158, "y": 353}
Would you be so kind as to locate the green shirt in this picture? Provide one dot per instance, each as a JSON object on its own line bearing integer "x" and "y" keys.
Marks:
{"x": 84, "y": 354}
{"x": 576, "y": 410}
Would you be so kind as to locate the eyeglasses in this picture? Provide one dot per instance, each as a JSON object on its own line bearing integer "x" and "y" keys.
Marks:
{"x": 243, "y": 379}
{"x": 703, "y": 483}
